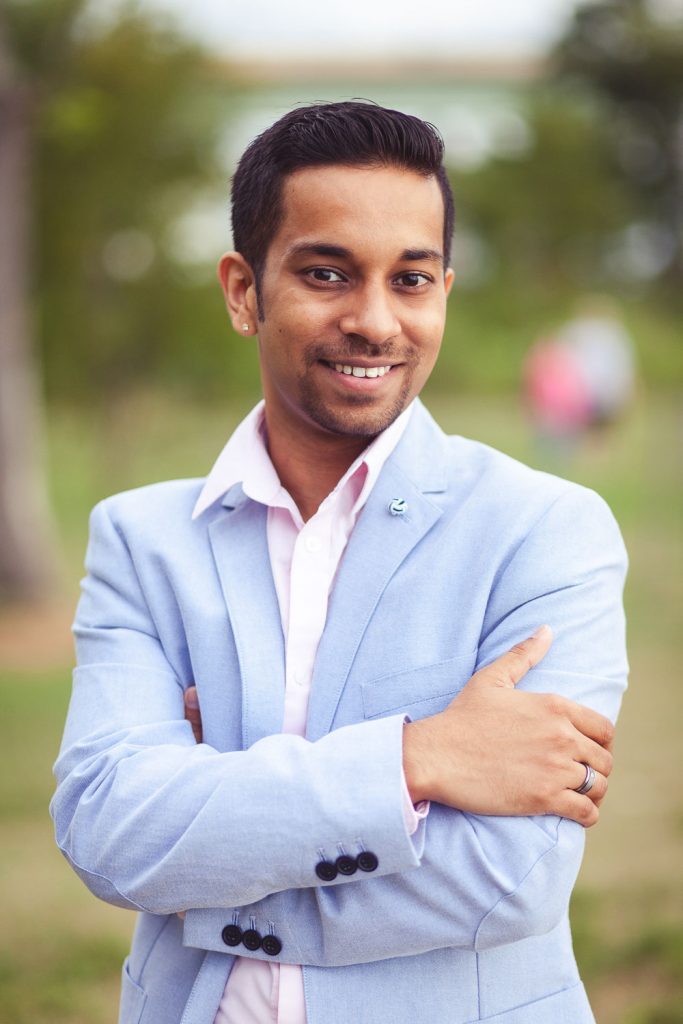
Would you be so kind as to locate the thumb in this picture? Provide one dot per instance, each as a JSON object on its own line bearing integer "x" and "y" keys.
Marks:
{"x": 514, "y": 665}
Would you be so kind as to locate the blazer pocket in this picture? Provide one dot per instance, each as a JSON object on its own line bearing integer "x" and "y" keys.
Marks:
{"x": 418, "y": 691}
{"x": 133, "y": 998}
{"x": 570, "y": 1006}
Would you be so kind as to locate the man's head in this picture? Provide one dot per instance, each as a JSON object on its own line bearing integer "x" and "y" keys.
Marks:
{"x": 352, "y": 134}
{"x": 343, "y": 218}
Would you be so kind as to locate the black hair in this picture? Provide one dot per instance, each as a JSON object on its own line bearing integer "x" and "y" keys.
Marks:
{"x": 356, "y": 133}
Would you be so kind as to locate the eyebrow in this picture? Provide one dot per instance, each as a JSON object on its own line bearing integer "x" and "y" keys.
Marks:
{"x": 341, "y": 252}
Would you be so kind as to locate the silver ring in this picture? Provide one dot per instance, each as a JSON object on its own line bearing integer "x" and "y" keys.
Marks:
{"x": 588, "y": 782}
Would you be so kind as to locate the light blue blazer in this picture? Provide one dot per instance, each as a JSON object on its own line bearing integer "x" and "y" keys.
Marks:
{"x": 466, "y": 920}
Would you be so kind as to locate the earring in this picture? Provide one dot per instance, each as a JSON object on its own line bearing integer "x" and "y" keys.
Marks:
{"x": 245, "y": 327}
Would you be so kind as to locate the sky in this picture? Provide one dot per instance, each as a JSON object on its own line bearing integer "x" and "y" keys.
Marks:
{"x": 271, "y": 29}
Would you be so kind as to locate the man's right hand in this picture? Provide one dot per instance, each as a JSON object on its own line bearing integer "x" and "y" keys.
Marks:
{"x": 497, "y": 750}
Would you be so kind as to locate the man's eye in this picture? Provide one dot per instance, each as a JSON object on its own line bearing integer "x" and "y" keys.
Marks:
{"x": 413, "y": 279}
{"x": 325, "y": 275}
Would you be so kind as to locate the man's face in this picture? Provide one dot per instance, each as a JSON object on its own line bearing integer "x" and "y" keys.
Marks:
{"x": 354, "y": 299}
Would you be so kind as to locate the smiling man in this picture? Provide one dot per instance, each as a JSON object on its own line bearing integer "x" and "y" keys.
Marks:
{"x": 382, "y": 819}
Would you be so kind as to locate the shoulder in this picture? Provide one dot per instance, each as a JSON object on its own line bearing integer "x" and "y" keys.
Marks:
{"x": 153, "y": 509}
{"x": 506, "y": 498}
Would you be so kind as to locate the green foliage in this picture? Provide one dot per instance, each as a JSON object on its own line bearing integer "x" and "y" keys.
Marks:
{"x": 547, "y": 211}
{"x": 631, "y": 61}
{"x": 124, "y": 136}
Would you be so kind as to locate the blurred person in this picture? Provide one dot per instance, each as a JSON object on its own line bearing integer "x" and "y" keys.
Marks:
{"x": 580, "y": 379}
{"x": 296, "y": 743}
{"x": 556, "y": 395}
{"x": 605, "y": 358}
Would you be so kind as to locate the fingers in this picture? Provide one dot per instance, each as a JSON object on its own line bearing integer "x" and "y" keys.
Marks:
{"x": 593, "y": 754}
{"x": 590, "y": 723}
{"x": 578, "y": 808}
{"x": 192, "y": 713}
{"x": 514, "y": 665}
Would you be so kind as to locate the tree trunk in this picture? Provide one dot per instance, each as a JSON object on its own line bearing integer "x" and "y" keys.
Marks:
{"x": 27, "y": 561}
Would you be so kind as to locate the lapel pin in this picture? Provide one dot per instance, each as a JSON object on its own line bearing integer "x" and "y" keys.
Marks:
{"x": 398, "y": 506}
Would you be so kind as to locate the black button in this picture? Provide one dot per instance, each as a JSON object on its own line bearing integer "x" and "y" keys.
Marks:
{"x": 251, "y": 939}
{"x": 325, "y": 870}
{"x": 232, "y": 935}
{"x": 271, "y": 945}
{"x": 367, "y": 861}
{"x": 346, "y": 865}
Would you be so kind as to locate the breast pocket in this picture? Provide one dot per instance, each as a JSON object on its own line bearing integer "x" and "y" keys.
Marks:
{"x": 418, "y": 692}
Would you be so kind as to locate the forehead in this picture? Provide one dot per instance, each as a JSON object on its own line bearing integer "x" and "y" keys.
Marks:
{"x": 388, "y": 208}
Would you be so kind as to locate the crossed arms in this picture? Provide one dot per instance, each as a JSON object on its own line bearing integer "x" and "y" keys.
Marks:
{"x": 151, "y": 820}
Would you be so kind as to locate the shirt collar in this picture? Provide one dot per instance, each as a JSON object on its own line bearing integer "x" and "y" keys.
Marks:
{"x": 245, "y": 460}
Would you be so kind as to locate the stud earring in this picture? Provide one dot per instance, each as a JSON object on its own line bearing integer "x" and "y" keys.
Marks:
{"x": 245, "y": 327}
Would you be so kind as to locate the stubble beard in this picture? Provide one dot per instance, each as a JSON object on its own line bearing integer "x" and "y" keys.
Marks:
{"x": 357, "y": 415}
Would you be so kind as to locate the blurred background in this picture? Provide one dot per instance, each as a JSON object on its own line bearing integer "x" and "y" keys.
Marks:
{"x": 119, "y": 127}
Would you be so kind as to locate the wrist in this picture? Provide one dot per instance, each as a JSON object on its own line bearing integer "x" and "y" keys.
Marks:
{"x": 417, "y": 759}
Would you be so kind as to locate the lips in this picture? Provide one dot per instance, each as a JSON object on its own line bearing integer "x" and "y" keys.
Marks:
{"x": 359, "y": 371}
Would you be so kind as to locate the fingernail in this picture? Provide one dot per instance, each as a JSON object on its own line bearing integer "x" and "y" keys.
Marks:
{"x": 191, "y": 698}
{"x": 541, "y": 631}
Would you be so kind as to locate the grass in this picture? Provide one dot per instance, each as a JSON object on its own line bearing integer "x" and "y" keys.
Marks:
{"x": 61, "y": 951}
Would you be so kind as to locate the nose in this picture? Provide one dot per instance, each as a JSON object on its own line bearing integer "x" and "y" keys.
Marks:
{"x": 370, "y": 315}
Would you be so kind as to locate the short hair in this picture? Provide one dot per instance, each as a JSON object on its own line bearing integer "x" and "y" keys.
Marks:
{"x": 355, "y": 133}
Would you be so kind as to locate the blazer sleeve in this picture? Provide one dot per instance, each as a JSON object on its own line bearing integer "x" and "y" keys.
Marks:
{"x": 151, "y": 820}
{"x": 483, "y": 881}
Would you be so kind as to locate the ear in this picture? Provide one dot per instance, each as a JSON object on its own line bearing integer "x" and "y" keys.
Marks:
{"x": 239, "y": 288}
{"x": 449, "y": 277}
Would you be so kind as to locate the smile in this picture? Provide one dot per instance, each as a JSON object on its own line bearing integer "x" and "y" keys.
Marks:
{"x": 360, "y": 371}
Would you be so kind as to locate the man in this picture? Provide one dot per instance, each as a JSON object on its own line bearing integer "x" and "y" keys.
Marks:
{"x": 378, "y": 826}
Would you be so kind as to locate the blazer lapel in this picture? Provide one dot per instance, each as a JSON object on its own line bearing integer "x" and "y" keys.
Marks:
{"x": 240, "y": 548}
{"x": 380, "y": 542}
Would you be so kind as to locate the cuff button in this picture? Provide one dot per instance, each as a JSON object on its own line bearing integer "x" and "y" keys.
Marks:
{"x": 271, "y": 945}
{"x": 326, "y": 871}
{"x": 251, "y": 939}
{"x": 346, "y": 865}
{"x": 231, "y": 935}
{"x": 367, "y": 861}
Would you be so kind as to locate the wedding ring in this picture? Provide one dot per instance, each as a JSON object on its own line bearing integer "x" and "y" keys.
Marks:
{"x": 587, "y": 783}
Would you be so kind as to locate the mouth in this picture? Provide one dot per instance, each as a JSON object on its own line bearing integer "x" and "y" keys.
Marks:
{"x": 356, "y": 370}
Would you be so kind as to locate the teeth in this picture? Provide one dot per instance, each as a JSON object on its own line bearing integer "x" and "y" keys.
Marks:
{"x": 361, "y": 371}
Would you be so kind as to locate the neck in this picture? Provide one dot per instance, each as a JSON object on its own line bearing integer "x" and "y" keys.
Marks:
{"x": 311, "y": 466}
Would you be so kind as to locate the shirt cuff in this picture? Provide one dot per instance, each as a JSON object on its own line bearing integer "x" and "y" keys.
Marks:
{"x": 412, "y": 813}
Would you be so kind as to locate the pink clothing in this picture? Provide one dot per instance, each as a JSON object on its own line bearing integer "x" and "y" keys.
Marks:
{"x": 557, "y": 391}
{"x": 304, "y": 559}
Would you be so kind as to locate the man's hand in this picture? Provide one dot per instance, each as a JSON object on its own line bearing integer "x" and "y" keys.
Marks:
{"x": 495, "y": 750}
{"x": 192, "y": 713}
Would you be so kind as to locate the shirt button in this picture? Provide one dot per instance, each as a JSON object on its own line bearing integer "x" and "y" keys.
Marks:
{"x": 313, "y": 544}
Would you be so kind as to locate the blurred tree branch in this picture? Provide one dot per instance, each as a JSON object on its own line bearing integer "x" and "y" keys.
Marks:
{"x": 27, "y": 563}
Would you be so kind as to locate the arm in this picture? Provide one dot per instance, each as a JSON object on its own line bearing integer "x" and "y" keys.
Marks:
{"x": 486, "y": 881}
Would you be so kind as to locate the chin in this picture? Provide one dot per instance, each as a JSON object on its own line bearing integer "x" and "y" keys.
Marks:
{"x": 356, "y": 421}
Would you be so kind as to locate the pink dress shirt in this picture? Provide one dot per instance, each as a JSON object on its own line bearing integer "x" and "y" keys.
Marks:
{"x": 304, "y": 558}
